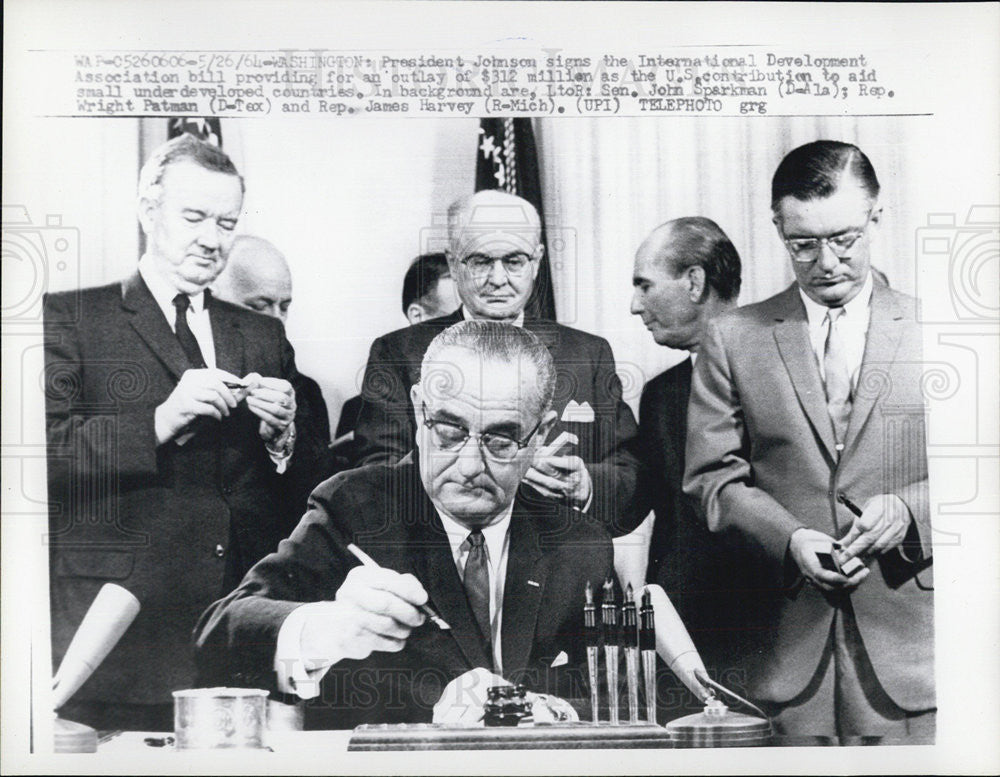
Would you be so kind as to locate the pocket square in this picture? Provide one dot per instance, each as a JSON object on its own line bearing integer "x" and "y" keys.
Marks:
{"x": 578, "y": 412}
{"x": 560, "y": 660}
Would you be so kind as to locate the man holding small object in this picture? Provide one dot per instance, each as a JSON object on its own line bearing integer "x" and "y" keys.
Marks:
{"x": 165, "y": 465}
{"x": 444, "y": 528}
{"x": 813, "y": 392}
{"x": 494, "y": 249}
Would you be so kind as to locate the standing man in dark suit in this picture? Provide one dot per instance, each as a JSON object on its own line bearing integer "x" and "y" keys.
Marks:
{"x": 686, "y": 272}
{"x": 164, "y": 472}
{"x": 257, "y": 277}
{"x": 494, "y": 252}
{"x": 447, "y": 528}
{"x": 809, "y": 394}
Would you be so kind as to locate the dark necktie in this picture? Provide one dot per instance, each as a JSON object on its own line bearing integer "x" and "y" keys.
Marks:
{"x": 182, "y": 302}
{"x": 838, "y": 376}
{"x": 477, "y": 586}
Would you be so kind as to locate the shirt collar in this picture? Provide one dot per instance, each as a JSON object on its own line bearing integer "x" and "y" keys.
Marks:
{"x": 494, "y": 534}
{"x": 816, "y": 313}
{"x": 519, "y": 321}
{"x": 163, "y": 291}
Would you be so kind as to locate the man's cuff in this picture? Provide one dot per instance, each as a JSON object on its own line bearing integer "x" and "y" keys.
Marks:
{"x": 792, "y": 574}
{"x": 282, "y": 448}
{"x": 295, "y": 674}
{"x": 910, "y": 548}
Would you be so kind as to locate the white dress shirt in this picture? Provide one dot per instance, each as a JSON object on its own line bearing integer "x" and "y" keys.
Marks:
{"x": 296, "y": 674}
{"x": 853, "y": 326}
{"x": 197, "y": 314}
{"x": 497, "y": 541}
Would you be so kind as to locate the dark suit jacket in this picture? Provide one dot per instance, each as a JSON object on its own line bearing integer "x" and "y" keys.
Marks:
{"x": 585, "y": 369}
{"x": 385, "y": 510}
{"x": 697, "y": 569}
{"x": 313, "y": 459}
{"x": 761, "y": 457}
{"x": 177, "y": 525}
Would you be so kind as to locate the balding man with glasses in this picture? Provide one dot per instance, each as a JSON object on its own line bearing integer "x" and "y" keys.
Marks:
{"x": 446, "y": 528}
{"x": 812, "y": 395}
{"x": 494, "y": 250}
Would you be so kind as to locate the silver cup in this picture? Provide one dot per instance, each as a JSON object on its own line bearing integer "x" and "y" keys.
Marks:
{"x": 220, "y": 718}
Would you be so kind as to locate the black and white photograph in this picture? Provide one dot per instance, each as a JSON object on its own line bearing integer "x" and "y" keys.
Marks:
{"x": 500, "y": 387}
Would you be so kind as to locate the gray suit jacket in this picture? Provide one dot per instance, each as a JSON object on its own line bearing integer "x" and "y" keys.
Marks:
{"x": 761, "y": 458}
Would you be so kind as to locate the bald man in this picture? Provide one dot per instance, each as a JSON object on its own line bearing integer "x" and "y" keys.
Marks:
{"x": 494, "y": 250}
{"x": 686, "y": 272}
{"x": 257, "y": 277}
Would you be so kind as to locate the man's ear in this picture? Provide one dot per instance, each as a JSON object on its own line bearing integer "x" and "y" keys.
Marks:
{"x": 416, "y": 399}
{"x": 415, "y": 314}
{"x": 697, "y": 287}
{"x": 536, "y": 257}
{"x": 145, "y": 209}
{"x": 876, "y": 217}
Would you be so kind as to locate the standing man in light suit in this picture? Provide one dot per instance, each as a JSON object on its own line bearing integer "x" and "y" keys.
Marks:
{"x": 812, "y": 393}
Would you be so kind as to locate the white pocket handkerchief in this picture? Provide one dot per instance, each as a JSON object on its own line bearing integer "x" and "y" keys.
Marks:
{"x": 560, "y": 660}
{"x": 581, "y": 413}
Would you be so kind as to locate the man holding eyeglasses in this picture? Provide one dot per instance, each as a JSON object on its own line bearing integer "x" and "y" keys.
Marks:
{"x": 446, "y": 529}
{"x": 812, "y": 393}
{"x": 494, "y": 249}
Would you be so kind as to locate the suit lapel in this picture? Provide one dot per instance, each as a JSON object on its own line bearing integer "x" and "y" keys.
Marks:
{"x": 521, "y": 598}
{"x": 436, "y": 570}
{"x": 792, "y": 337}
{"x": 884, "y": 333}
{"x": 544, "y": 330}
{"x": 148, "y": 321}
{"x": 227, "y": 336}
{"x": 674, "y": 422}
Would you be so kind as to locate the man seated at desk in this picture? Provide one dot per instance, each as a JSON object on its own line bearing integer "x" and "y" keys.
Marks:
{"x": 448, "y": 529}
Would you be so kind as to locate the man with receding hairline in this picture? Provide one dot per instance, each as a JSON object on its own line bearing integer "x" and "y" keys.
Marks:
{"x": 171, "y": 421}
{"x": 447, "y": 526}
{"x": 256, "y": 277}
{"x": 814, "y": 393}
{"x": 494, "y": 250}
{"x": 686, "y": 272}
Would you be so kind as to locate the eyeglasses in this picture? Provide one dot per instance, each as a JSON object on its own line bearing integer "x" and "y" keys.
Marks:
{"x": 479, "y": 266}
{"x": 807, "y": 249}
{"x": 447, "y": 436}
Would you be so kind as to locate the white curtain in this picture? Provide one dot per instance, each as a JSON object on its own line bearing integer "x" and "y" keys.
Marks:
{"x": 608, "y": 182}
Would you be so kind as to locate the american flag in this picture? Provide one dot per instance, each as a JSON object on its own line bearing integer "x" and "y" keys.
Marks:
{"x": 207, "y": 129}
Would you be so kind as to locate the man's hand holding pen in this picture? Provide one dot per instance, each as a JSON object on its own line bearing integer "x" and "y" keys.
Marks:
{"x": 375, "y": 610}
{"x": 878, "y": 528}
